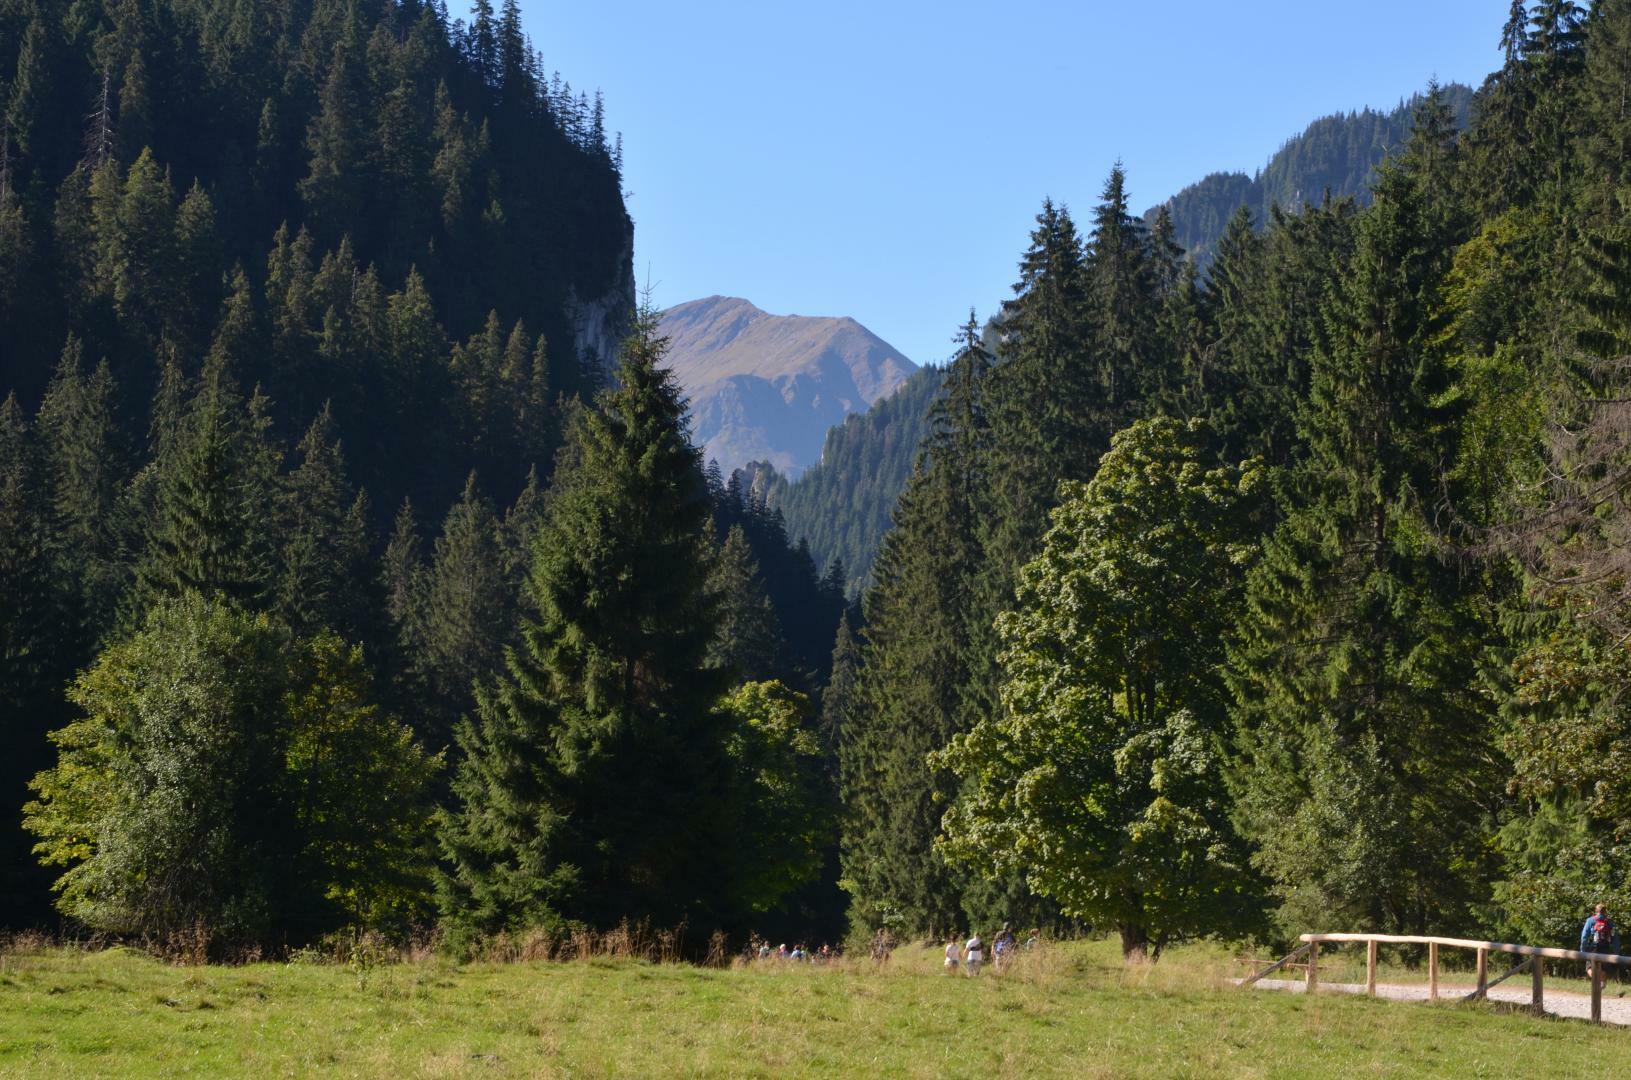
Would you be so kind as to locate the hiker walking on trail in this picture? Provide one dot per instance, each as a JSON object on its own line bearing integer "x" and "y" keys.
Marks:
{"x": 974, "y": 955}
{"x": 1599, "y": 936}
{"x": 954, "y": 956}
{"x": 1003, "y": 946}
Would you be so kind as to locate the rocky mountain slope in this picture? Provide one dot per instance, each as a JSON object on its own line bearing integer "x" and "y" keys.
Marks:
{"x": 768, "y": 387}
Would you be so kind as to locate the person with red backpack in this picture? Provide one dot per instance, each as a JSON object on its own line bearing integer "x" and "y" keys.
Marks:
{"x": 1599, "y": 935}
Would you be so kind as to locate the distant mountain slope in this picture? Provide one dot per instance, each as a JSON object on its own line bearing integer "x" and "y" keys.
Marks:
{"x": 768, "y": 387}
{"x": 843, "y": 505}
{"x": 1338, "y": 152}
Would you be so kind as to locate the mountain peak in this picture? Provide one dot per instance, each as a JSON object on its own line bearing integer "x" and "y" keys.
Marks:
{"x": 767, "y": 387}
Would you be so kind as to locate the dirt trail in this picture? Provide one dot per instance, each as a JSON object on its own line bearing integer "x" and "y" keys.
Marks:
{"x": 1616, "y": 1009}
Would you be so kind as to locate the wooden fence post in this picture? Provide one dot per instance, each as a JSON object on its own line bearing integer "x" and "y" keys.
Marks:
{"x": 1312, "y": 982}
{"x": 1596, "y": 992}
{"x": 1537, "y": 995}
{"x": 1432, "y": 970}
{"x": 1370, "y": 968}
{"x": 1483, "y": 971}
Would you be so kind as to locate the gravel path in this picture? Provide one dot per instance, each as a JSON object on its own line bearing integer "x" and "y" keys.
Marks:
{"x": 1616, "y": 1009}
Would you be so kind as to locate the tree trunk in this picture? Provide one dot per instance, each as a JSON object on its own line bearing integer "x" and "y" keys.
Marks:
{"x": 1134, "y": 943}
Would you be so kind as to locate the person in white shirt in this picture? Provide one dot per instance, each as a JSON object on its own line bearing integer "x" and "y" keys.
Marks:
{"x": 974, "y": 954}
{"x": 954, "y": 957}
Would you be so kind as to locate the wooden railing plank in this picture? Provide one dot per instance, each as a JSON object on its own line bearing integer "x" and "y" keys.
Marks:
{"x": 1469, "y": 943}
{"x": 1596, "y": 993}
{"x": 1535, "y": 955}
{"x": 1277, "y": 965}
{"x": 1484, "y": 987}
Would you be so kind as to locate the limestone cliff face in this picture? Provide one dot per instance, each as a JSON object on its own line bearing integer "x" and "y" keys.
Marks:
{"x": 768, "y": 387}
{"x": 599, "y": 323}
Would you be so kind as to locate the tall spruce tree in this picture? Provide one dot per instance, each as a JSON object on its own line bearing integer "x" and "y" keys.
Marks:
{"x": 1223, "y": 380}
{"x": 593, "y": 777}
{"x": 838, "y": 696}
{"x": 1608, "y": 99}
{"x": 324, "y": 544}
{"x": 1362, "y": 732}
{"x": 209, "y": 533}
{"x": 919, "y": 683}
{"x": 335, "y": 183}
{"x": 84, "y": 465}
{"x": 749, "y": 642}
{"x": 1123, "y": 295}
{"x": 465, "y": 616}
{"x": 31, "y": 656}
{"x": 1043, "y": 398}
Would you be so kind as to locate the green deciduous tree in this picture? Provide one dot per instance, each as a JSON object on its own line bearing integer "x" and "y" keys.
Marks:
{"x": 1100, "y": 778}
{"x": 229, "y": 779}
{"x": 785, "y": 805}
{"x": 1566, "y": 731}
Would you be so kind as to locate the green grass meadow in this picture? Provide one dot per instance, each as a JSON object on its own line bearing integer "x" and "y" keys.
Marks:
{"x": 1068, "y": 1010}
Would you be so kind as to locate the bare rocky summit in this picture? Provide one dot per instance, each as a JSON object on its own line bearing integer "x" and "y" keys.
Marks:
{"x": 767, "y": 387}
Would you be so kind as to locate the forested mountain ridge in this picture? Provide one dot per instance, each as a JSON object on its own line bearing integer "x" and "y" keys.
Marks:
{"x": 326, "y": 165}
{"x": 842, "y": 505}
{"x": 301, "y": 302}
{"x": 768, "y": 387}
{"x": 1337, "y": 153}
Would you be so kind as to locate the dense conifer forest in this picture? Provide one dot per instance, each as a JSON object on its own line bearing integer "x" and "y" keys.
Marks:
{"x": 299, "y": 302}
{"x": 351, "y": 582}
{"x": 1290, "y": 594}
{"x": 841, "y": 505}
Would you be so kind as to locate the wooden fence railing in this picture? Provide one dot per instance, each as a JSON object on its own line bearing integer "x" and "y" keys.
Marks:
{"x": 1533, "y": 956}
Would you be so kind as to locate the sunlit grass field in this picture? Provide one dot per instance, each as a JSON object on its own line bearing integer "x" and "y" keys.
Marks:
{"x": 1068, "y": 1010}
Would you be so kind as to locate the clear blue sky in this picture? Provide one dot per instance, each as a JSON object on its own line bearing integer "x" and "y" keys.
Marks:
{"x": 884, "y": 159}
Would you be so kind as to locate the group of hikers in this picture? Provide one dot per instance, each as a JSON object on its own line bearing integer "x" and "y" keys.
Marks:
{"x": 798, "y": 954}
{"x": 1598, "y": 935}
{"x": 968, "y": 957}
{"x": 962, "y": 957}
